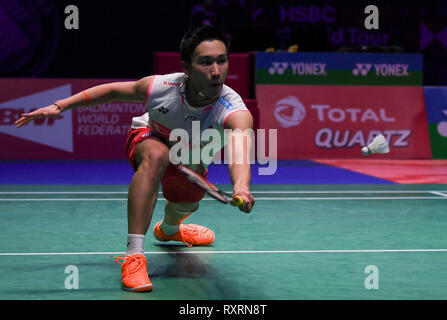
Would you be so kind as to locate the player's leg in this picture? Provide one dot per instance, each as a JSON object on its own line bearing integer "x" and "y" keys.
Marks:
{"x": 152, "y": 159}
{"x": 176, "y": 212}
{"x": 149, "y": 158}
{"x": 172, "y": 228}
{"x": 183, "y": 199}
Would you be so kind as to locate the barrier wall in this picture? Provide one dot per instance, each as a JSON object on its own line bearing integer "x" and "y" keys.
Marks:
{"x": 329, "y": 105}
{"x": 436, "y": 106}
{"x": 323, "y": 105}
{"x": 95, "y": 132}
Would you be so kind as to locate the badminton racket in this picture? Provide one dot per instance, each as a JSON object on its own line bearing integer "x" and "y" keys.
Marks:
{"x": 209, "y": 188}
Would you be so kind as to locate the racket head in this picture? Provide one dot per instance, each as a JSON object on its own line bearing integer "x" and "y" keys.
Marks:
{"x": 199, "y": 181}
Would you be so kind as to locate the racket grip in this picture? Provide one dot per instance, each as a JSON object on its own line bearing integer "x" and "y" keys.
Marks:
{"x": 237, "y": 201}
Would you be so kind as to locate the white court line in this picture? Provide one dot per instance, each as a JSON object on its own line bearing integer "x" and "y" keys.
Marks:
{"x": 257, "y": 199}
{"x": 225, "y": 252}
{"x": 440, "y": 192}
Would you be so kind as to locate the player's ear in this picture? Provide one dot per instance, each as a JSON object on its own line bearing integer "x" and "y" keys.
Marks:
{"x": 186, "y": 68}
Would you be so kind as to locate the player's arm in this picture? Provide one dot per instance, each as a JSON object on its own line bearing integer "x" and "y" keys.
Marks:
{"x": 240, "y": 142}
{"x": 114, "y": 91}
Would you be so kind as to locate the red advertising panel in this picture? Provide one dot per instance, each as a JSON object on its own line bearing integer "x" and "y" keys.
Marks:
{"x": 337, "y": 121}
{"x": 96, "y": 132}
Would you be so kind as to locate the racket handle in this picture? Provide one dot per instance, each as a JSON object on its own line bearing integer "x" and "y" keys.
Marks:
{"x": 237, "y": 201}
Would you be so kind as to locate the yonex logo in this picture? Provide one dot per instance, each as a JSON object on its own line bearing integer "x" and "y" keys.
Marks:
{"x": 163, "y": 110}
{"x": 284, "y": 106}
{"x": 392, "y": 70}
{"x": 382, "y": 69}
{"x": 361, "y": 69}
{"x": 278, "y": 67}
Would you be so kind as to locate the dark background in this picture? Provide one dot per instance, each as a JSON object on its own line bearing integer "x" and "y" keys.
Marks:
{"x": 116, "y": 39}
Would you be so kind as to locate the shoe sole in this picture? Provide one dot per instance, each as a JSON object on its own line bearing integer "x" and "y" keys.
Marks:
{"x": 144, "y": 288}
{"x": 179, "y": 240}
{"x": 166, "y": 240}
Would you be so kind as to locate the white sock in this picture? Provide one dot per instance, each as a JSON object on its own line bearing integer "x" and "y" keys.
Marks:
{"x": 135, "y": 243}
{"x": 169, "y": 229}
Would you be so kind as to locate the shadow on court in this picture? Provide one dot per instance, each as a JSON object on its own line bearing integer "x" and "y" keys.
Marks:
{"x": 194, "y": 275}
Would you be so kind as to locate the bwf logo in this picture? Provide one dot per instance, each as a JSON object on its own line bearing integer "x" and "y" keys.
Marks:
{"x": 54, "y": 132}
{"x": 361, "y": 69}
{"x": 278, "y": 67}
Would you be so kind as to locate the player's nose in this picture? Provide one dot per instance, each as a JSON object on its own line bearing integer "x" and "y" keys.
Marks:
{"x": 215, "y": 71}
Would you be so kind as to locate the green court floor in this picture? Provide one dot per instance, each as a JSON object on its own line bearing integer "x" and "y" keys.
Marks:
{"x": 300, "y": 242}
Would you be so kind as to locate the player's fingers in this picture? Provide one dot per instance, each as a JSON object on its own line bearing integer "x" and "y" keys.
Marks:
{"x": 247, "y": 206}
{"x": 22, "y": 121}
{"x": 47, "y": 112}
{"x": 27, "y": 117}
{"x": 251, "y": 203}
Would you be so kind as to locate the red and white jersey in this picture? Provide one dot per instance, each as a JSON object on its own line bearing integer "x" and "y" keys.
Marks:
{"x": 168, "y": 108}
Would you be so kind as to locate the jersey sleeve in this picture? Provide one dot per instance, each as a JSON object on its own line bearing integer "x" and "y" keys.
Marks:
{"x": 162, "y": 87}
{"x": 229, "y": 103}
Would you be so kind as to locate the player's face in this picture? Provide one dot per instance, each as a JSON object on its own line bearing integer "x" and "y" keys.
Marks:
{"x": 209, "y": 67}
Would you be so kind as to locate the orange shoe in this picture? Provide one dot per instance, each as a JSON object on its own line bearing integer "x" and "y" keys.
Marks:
{"x": 190, "y": 234}
{"x": 134, "y": 272}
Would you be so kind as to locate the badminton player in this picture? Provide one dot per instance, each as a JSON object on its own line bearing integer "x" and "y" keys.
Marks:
{"x": 172, "y": 101}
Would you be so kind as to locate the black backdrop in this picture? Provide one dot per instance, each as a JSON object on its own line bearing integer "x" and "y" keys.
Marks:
{"x": 116, "y": 39}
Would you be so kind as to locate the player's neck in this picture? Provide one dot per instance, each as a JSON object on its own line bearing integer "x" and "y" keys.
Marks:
{"x": 195, "y": 97}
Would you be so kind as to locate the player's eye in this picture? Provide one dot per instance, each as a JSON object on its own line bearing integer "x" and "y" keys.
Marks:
{"x": 206, "y": 62}
{"x": 222, "y": 60}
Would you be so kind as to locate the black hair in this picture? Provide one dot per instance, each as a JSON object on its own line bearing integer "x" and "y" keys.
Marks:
{"x": 194, "y": 37}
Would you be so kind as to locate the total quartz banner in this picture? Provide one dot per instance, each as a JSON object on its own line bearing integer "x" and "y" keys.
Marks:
{"x": 337, "y": 121}
{"x": 330, "y": 105}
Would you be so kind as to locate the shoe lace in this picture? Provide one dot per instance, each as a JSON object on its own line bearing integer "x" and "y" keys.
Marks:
{"x": 188, "y": 235}
{"x": 131, "y": 263}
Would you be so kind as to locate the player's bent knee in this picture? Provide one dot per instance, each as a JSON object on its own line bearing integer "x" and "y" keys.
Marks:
{"x": 159, "y": 157}
{"x": 152, "y": 151}
{"x": 156, "y": 161}
{"x": 152, "y": 169}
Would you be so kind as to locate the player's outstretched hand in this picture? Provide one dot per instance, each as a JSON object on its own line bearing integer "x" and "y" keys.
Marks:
{"x": 248, "y": 200}
{"x": 51, "y": 111}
